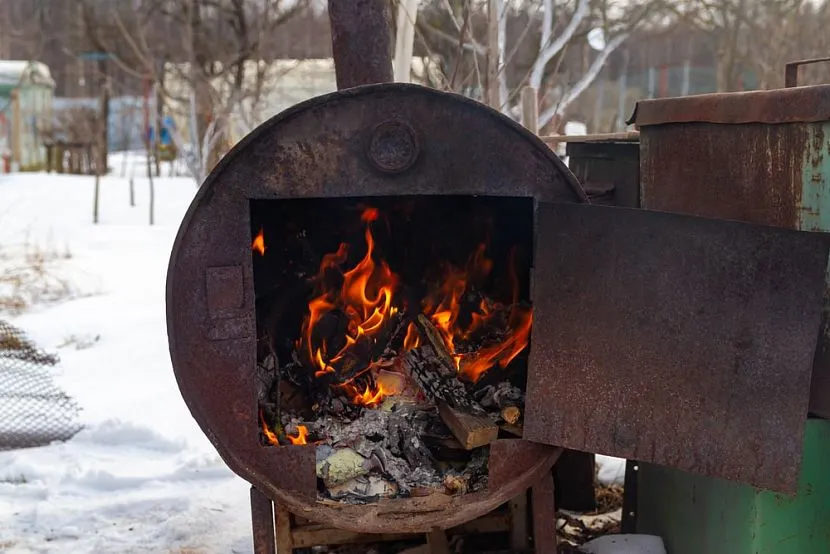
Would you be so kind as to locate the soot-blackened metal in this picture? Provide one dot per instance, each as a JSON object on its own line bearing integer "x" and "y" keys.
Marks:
{"x": 319, "y": 149}
{"x": 393, "y": 147}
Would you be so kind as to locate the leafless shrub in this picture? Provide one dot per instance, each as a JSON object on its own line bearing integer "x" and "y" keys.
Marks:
{"x": 30, "y": 276}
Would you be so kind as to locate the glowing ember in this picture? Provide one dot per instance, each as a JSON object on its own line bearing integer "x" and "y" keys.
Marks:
{"x": 259, "y": 243}
{"x": 302, "y": 435}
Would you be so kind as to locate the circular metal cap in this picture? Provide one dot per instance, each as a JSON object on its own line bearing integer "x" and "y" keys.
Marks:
{"x": 393, "y": 147}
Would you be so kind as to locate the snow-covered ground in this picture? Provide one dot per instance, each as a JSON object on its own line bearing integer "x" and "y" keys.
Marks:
{"x": 141, "y": 477}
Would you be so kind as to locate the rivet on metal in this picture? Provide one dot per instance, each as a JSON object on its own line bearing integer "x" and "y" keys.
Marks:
{"x": 393, "y": 147}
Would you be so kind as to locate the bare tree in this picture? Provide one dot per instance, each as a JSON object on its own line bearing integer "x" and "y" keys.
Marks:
{"x": 535, "y": 43}
{"x": 757, "y": 37}
{"x": 205, "y": 57}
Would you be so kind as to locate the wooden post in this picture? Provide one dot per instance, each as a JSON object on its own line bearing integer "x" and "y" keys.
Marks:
{"x": 97, "y": 193}
{"x": 285, "y": 542}
{"x": 103, "y": 145}
{"x": 16, "y": 139}
{"x": 530, "y": 110}
{"x": 544, "y": 515}
{"x": 437, "y": 542}
{"x": 519, "y": 539}
{"x": 152, "y": 150}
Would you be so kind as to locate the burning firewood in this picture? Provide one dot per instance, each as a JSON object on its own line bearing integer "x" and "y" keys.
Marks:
{"x": 432, "y": 367}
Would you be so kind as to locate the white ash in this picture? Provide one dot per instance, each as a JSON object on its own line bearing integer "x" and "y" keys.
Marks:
{"x": 388, "y": 440}
{"x": 363, "y": 489}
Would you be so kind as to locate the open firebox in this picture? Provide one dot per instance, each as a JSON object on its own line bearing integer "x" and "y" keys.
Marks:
{"x": 392, "y": 333}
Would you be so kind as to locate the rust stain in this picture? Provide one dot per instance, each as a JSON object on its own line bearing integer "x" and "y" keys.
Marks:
{"x": 750, "y": 172}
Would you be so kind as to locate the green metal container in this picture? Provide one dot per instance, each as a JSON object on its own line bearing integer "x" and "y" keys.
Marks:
{"x": 702, "y": 515}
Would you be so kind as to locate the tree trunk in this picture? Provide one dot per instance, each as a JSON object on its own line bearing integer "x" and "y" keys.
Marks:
{"x": 103, "y": 144}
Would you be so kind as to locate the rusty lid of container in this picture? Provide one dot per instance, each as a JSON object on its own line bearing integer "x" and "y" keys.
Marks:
{"x": 787, "y": 105}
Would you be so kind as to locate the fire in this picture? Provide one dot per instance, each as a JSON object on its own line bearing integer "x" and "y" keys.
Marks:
{"x": 269, "y": 435}
{"x": 412, "y": 338}
{"x": 302, "y": 435}
{"x": 364, "y": 297}
{"x": 444, "y": 307}
{"x": 371, "y": 396}
{"x": 259, "y": 242}
{"x": 473, "y": 366}
{"x": 350, "y": 307}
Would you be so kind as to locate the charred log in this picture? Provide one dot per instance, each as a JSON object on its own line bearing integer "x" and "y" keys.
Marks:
{"x": 432, "y": 367}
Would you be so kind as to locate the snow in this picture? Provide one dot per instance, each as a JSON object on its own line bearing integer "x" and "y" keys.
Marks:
{"x": 625, "y": 544}
{"x": 141, "y": 477}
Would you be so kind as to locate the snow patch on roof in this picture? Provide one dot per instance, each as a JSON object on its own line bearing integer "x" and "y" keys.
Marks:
{"x": 14, "y": 72}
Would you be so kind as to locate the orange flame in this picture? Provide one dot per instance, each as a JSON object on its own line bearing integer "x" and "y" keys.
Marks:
{"x": 412, "y": 338}
{"x": 365, "y": 295}
{"x": 302, "y": 435}
{"x": 365, "y": 298}
{"x": 269, "y": 435}
{"x": 370, "y": 397}
{"x": 444, "y": 306}
{"x": 259, "y": 242}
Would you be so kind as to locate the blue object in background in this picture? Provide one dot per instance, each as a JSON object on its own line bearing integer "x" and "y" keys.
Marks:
{"x": 165, "y": 136}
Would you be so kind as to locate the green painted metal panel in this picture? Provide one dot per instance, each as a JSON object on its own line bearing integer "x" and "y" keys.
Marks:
{"x": 696, "y": 515}
{"x": 814, "y": 209}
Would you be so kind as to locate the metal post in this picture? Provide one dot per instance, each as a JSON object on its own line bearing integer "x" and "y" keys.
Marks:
{"x": 361, "y": 42}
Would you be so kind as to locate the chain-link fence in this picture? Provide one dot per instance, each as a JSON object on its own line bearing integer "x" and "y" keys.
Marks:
{"x": 34, "y": 411}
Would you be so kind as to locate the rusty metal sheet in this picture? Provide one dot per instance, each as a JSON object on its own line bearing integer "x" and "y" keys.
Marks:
{"x": 749, "y": 173}
{"x": 788, "y": 105}
{"x": 677, "y": 340}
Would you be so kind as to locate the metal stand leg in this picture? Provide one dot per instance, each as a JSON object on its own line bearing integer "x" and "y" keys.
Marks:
{"x": 437, "y": 542}
{"x": 544, "y": 516}
{"x": 262, "y": 520}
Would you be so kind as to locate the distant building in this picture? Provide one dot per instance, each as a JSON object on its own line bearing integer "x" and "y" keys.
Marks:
{"x": 26, "y": 93}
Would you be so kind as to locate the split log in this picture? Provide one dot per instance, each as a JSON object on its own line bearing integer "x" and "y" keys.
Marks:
{"x": 472, "y": 431}
{"x": 511, "y": 414}
{"x": 431, "y": 366}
